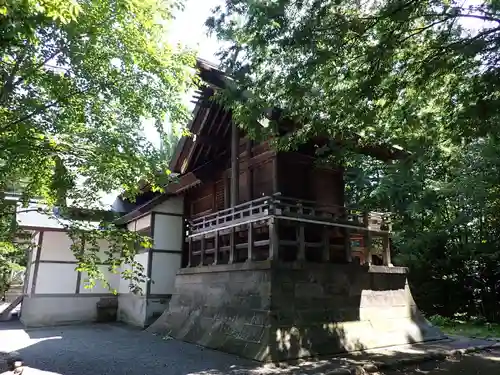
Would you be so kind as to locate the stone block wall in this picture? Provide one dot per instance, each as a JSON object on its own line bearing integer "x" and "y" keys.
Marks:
{"x": 278, "y": 311}
{"x": 222, "y": 309}
{"x": 320, "y": 309}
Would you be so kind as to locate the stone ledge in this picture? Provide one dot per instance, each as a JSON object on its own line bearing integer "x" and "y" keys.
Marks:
{"x": 296, "y": 265}
{"x": 401, "y": 362}
{"x": 245, "y": 266}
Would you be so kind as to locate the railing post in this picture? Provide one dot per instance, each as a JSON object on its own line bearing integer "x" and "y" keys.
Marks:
{"x": 273, "y": 238}
{"x": 216, "y": 247}
{"x": 190, "y": 252}
{"x": 368, "y": 238}
{"x": 273, "y": 231}
{"x": 347, "y": 238}
{"x": 301, "y": 255}
{"x": 202, "y": 250}
{"x": 232, "y": 240}
{"x": 250, "y": 242}
{"x": 386, "y": 251}
{"x": 326, "y": 244}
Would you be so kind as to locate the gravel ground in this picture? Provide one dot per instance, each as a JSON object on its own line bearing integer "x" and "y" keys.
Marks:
{"x": 112, "y": 349}
{"x": 121, "y": 350}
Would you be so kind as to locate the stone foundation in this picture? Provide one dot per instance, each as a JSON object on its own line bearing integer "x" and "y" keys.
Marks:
{"x": 40, "y": 311}
{"x": 278, "y": 311}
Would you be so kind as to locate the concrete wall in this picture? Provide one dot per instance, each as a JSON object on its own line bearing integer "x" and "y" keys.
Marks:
{"x": 39, "y": 311}
{"x": 162, "y": 261}
{"x": 56, "y": 293}
{"x": 277, "y": 311}
{"x": 132, "y": 307}
{"x": 54, "y": 290}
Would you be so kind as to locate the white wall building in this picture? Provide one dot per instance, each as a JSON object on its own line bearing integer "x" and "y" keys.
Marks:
{"x": 54, "y": 291}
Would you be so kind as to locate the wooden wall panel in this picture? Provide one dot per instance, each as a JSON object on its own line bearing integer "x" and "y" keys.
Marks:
{"x": 262, "y": 179}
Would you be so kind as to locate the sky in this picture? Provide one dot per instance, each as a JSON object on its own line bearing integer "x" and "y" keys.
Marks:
{"x": 188, "y": 29}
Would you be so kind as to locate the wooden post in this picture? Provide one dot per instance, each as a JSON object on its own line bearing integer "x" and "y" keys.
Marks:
{"x": 232, "y": 245}
{"x": 301, "y": 240}
{"x": 347, "y": 245}
{"x": 301, "y": 255}
{"x": 202, "y": 250}
{"x": 216, "y": 247}
{"x": 232, "y": 240}
{"x": 227, "y": 188}
{"x": 386, "y": 251}
{"x": 273, "y": 238}
{"x": 275, "y": 174}
{"x": 249, "y": 170}
{"x": 347, "y": 237}
{"x": 368, "y": 239}
{"x": 190, "y": 252}
{"x": 235, "y": 173}
{"x": 250, "y": 242}
{"x": 326, "y": 244}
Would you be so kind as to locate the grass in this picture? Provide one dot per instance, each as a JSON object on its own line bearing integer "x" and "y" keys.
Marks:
{"x": 467, "y": 328}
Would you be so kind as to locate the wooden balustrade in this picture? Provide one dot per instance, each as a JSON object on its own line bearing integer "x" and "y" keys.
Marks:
{"x": 235, "y": 234}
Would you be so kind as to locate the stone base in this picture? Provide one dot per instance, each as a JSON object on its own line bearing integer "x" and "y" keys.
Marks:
{"x": 140, "y": 311}
{"x": 280, "y": 311}
{"x": 44, "y": 310}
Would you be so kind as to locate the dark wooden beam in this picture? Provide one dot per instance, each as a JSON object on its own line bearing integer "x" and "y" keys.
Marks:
{"x": 211, "y": 141}
{"x": 235, "y": 173}
{"x": 249, "y": 170}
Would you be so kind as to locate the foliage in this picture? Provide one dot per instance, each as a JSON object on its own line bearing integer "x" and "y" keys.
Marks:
{"x": 12, "y": 252}
{"x": 77, "y": 80}
{"x": 468, "y": 328}
{"x": 423, "y": 75}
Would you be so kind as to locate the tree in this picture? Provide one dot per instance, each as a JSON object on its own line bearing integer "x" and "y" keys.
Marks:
{"x": 420, "y": 74}
{"x": 77, "y": 79}
{"x": 403, "y": 72}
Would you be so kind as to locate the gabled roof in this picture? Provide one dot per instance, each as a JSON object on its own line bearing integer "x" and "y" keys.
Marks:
{"x": 210, "y": 126}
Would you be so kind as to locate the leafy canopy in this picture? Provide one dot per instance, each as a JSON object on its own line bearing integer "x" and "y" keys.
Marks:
{"x": 77, "y": 80}
{"x": 399, "y": 71}
{"x": 421, "y": 74}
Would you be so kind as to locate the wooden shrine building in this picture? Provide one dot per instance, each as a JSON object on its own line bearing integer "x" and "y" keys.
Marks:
{"x": 274, "y": 265}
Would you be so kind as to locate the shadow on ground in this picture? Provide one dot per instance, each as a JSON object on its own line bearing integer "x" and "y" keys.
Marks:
{"x": 484, "y": 363}
{"x": 111, "y": 349}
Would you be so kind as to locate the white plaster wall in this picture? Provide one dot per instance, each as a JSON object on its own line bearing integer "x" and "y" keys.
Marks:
{"x": 163, "y": 271}
{"x": 141, "y": 223}
{"x": 167, "y": 232}
{"x": 112, "y": 278}
{"x": 56, "y": 278}
{"x": 29, "y": 280}
{"x": 103, "y": 246}
{"x": 123, "y": 287}
{"x": 57, "y": 246}
{"x": 174, "y": 205}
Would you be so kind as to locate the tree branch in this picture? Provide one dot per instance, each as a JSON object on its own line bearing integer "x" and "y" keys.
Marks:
{"x": 41, "y": 109}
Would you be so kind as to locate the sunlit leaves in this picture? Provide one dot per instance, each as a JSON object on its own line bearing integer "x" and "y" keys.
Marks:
{"x": 77, "y": 81}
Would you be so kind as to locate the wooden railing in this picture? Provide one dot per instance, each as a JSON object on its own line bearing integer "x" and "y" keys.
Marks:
{"x": 292, "y": 208}
{"x": 249, "y": 231}
{"x": 258, "y": 208}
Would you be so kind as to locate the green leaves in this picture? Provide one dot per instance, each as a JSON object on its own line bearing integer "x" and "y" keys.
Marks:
{"x": 77, "y": 81}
